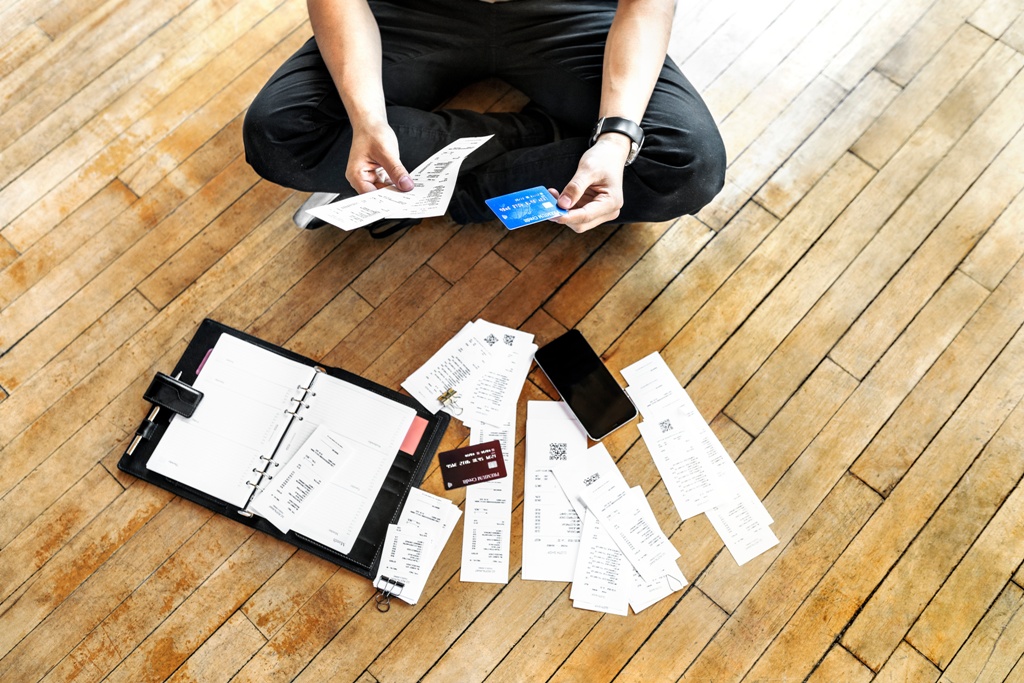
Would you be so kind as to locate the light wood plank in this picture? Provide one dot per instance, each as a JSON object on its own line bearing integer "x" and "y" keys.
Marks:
{"x": 885, "y": 619}
{"x": 935, "y": 258}
{"x": 769, "y": 605}
{"x": 999, "y": 249}
{"x": 840, "y": 665}
{"x": 921, "y": 96}
{"x": 907, "y": 666}
{"x": 880, "y": 543}
{"x": 995, "y": 646}
{"x": 223, "y": 653}
{"x": 934, "y": 399}
{"x": 913, "y": 50}
{"x": 874, "y": 220}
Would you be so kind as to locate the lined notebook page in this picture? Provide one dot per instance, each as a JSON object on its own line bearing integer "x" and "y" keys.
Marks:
{"x": 247, "y": 391}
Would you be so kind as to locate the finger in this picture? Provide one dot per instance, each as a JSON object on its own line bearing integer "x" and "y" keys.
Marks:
{"x": 399, "y": 176}
{"x": 573, "y": 192}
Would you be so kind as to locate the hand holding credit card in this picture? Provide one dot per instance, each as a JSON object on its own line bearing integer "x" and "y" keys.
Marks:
{"x": 472, "y": 465}
{"x": 524, "y": 207}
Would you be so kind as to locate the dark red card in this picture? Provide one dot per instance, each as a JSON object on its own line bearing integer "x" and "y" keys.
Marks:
{"x": 472, "y": 465}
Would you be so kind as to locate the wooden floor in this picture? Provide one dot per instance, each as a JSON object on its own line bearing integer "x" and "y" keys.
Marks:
{"x": 848, "y": 313}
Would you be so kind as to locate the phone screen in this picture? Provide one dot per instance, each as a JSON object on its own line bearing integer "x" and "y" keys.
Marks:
{"x": 585, "y": 384}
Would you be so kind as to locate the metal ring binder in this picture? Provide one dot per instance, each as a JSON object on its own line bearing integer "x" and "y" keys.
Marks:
{"x": 255, "y": 486}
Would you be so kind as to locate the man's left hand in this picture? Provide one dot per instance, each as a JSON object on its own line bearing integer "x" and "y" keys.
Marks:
{"x": 594, "y": 195}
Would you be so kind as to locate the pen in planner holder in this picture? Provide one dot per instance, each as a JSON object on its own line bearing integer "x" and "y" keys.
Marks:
{"x": 149, "y": 421}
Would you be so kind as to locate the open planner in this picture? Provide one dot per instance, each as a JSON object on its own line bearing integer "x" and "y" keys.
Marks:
{"x": 316, "y": 456}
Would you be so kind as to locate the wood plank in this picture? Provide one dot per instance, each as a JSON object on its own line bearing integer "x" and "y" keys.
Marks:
{"x": 110, "y": 243}
{"x": 223, "y": 653}
{"x": 840, "y": 665}
{"x": 465, "y": 249}
{"x": 690, "y": 290}
{"x": 53, "y": 526}
{"x": 626, "y": 246}
{"x": 765, "y": 464}
{"x": 52, "y": 479}
{"x": 50, "y": 335}
{"x": 381, "y": 328}
{"x": 880, "y": 543}
{"x": 334, "y": 321}
{"x": 285, "y": 316}
{"x": 20, "y": 48}
{"x": 48, "y": 193}
{"x": 935, "y": 259}
{"x": 870, "y": 44}
{"x": 916, "y": 47}
{"x": 61, "y": 374}
{"x": 736, "y": 331}
{"x": 894, "y": 449}
{"x": 741, "y": 37}
{"x": 286, "y": 592}
{"x": 995, "y": 16}
{"x": 205, "y": 610}
{"x": 153, "y": 601}
{"x": 65, "y": 15}
{"x": 47, "y": 122}
{"x": 995, "y": 646}
{"x": 1014, "y": 36}
{"x": 684, "y": 633}
{"x": 627, "y": 299}
{"x": 874, "y": 220}
{"x": 826, "y": 145}
{"x": 768, "y": 146}
{"x": 58, "y": 245}
{"x": 769, "y": 605}
{"x": 907, "y": 666}
{"x": 901, "y": 598}
{"x": 999, "y": 248}
{"x": 519, "y": 247}
{"x": 404, "y": 257}
{"x": 218, "y": 237}
{"x": 925, "y": 91}
{"x": 8, "y": 254}
{"x": 39, "y": 618}
{"x": 76, "y": 59}
{"x": 947, "y": 623}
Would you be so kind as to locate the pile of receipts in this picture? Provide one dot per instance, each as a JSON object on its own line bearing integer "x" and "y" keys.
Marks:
{"x": 697, "y": 471}
{"x": 484, "y": 367}
{"x": 583, "y": 523}
{"x": 412, "y": 546}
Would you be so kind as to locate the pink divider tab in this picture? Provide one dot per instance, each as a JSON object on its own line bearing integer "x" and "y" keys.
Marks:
{"x": 412, "y": 438}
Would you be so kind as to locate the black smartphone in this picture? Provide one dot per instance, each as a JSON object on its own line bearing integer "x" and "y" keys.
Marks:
{"x": 585, "y": 384}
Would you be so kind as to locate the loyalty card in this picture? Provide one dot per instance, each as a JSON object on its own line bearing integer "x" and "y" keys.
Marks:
{"x": 524, "y": 207}
{"x": 471, "y": 465}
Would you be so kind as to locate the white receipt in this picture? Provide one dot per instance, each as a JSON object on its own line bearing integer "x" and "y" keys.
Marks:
{"x": 551, "y": 527}
{"x": 646, "y": 593}
{"x": 291, "y": 489}
{"x": 742, "y": 527}
{"x": 487, "y": 531}
{"x": 435, "y": 182}
{"x": 412, "y": 546}
{"x": 603, "y": 579}
{"x": 627, "y": 517}
{"x": 697, "y": 471}
{"x": 485, "y": 365}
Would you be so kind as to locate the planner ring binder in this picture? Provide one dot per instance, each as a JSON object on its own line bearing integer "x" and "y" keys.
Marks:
{"x": 201, "y": 472}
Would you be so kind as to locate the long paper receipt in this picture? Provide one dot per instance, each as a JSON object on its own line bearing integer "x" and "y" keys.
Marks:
{"x": 435, "y": 183}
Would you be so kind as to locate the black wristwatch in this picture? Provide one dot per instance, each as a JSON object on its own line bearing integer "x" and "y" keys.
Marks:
{"x": 616, "y": 124}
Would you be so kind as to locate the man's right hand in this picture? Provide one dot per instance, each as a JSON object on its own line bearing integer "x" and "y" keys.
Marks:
{"x": 375, "y": 148}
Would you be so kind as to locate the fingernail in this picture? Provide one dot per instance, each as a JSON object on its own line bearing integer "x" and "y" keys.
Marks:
{"x": 405, "y": 183}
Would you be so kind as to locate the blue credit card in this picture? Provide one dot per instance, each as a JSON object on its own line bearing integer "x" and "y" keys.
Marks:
{"x": 524, "y": 207}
